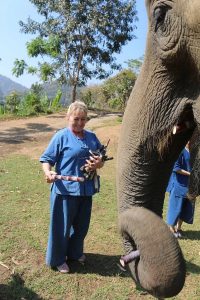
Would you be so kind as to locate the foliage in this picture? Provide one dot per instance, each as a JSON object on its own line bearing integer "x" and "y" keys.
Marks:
{"x": 46, "y": 71}
{"x": 56, "y": 101}
{"x": 37, "y": 89}
{"x": 86, "y": 96}
{"x": 32, "y": 103}
{"x": 117, "y": 89}
{"x": 45, "y": 104}
{"x": 93, "y": 96}
{"x": 135, "y": 64}
{"x": 19, "y": 66}
{"x": 12, "y": 102}
{"x": 113, "y": 93}
{"x": 78, "y": 38}
{"x": 2, "y": 109}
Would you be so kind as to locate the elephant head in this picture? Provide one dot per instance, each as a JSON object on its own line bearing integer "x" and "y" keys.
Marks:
{"x": 162, "y": 114}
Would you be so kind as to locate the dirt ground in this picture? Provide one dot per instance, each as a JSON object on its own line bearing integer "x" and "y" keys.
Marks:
{"x": 30, "y": 136}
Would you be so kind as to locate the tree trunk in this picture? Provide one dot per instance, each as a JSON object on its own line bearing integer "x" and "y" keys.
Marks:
{"x": 73, "y": 92}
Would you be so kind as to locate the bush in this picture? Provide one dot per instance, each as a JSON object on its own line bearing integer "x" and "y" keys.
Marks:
{"x": 12, "y": 102}
{"x": 112, "y": 94}
{"x": 56, "y": 101}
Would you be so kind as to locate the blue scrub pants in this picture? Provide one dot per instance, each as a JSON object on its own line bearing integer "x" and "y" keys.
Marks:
{"x": 69, "y": 224}
{"x": 180, "y": 207}
{"x": 174, "y": 209}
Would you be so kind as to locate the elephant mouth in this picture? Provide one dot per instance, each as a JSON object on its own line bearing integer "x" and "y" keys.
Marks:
{"x": 185, "y": 121}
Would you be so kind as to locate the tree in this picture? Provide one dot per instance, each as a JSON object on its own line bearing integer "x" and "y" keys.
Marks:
{"x": 19, "y": 66}
{"x": 79, "y": 38}
{"x": 12, "y": 102}
{"x": 117, "y": 89}
{"x": 94, "y": 97}
{"x": 113, "y": 93}
{"x": 135, "y": 64}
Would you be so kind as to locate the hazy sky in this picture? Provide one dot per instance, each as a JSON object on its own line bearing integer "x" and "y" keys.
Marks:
{"x": 13, "y": 42}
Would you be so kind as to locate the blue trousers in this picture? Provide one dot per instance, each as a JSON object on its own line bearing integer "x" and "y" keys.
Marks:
{"x": 180, "y": 207}
{"x": 69, "y": 224}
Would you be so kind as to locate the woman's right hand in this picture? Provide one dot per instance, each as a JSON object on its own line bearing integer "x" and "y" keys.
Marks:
{"x": 191, "y": 197}
{"x": 50, "y": 176}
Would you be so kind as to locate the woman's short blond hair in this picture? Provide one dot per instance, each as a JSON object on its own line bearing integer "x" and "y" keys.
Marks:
{"x": 77, "y": 105}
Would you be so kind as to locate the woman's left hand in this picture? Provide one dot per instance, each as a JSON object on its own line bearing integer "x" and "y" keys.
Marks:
{"x": 93, "y": 163}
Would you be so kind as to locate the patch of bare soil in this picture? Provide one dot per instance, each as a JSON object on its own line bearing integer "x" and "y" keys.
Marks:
{"x": 31, "y": 136}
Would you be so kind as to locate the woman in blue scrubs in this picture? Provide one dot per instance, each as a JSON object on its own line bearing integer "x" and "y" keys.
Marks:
{"x": 70, "y": 201}
{"x": 180, "y": 208}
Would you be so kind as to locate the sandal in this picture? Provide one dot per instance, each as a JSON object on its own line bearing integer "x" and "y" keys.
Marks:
{"x": 82, "y": 259}
{"x": 63, "y": 268}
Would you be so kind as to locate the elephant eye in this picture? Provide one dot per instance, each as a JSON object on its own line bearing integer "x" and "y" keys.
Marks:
{"x": 159, "y": 16}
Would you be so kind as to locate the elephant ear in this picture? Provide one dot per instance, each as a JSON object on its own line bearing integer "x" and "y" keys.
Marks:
{"x": 160, "y": 269}
{"x": 148, "y": 3}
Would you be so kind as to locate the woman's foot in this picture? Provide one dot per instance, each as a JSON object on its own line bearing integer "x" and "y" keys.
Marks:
{"x": 176, "y": 234}
{"x": 173, "y": 231}
{"x": 63, "y": 268}
{"x": 180, "y": 233}
{"x": 82, "y": 259}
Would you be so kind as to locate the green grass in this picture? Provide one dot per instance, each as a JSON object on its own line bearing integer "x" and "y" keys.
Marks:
{"x": 24, "y": 220}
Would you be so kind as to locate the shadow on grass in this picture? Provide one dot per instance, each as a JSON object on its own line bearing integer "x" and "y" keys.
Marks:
{"x": 192, "y": 268}
{"x": 191, "y": 235}
{"x": 18, "y": 135}
{"x": 16, "y": 290}
{"x": 104, "y": 265}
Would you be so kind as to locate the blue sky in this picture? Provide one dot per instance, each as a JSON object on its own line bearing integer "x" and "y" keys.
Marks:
{"x": 13, "y": 42}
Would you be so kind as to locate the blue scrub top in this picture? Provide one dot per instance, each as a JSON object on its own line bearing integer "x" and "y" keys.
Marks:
{"x": 68, "y": 154}
{"x": 177, "y": 181}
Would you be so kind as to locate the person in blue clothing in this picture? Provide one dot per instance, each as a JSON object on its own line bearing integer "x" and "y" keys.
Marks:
{"x": 180, "y": 208}
{"x": 70, "y": 201}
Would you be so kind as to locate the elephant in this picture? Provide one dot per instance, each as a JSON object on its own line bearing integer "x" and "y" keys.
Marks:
{"x": 161, "y": 115}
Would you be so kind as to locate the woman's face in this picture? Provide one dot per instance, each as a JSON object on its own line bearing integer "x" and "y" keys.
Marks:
{"x": 77, "y": 120}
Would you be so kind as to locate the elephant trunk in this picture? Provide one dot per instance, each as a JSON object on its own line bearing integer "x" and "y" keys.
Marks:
{"x": 142, "y": 176}
{"x": 165, "y": 97}
{"x": 160, "y": 268}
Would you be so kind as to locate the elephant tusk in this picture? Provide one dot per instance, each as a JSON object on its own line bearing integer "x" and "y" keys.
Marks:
{"x": 124, "y": 260}
{"x": 182, "y": 126}
{"x": 178, "y": 128}
{"x": 174, "y": 129}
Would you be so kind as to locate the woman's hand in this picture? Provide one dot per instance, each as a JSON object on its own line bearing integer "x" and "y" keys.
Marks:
{"x": 93, "y": 163}
{"x": 50, "y": 176}
{"x": 191, "y": 197}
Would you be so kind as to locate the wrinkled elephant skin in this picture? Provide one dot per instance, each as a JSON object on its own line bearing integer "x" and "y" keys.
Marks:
{"x": 162, "y": 114}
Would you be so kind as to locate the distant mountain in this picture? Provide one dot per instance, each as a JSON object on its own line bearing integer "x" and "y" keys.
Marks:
{"x": 7, "y": 85}
{"x": 50, "y": 89}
